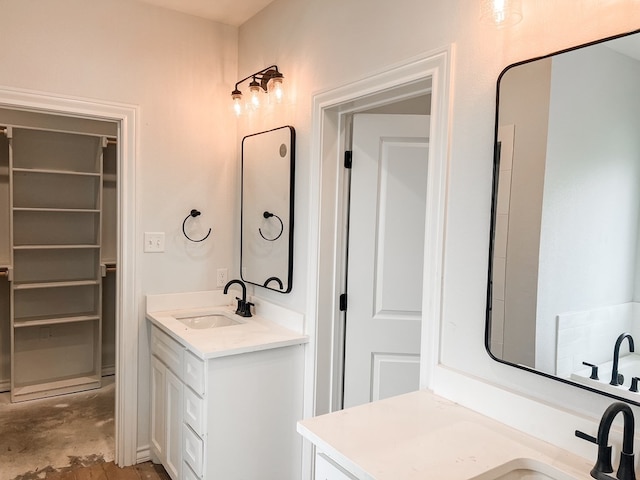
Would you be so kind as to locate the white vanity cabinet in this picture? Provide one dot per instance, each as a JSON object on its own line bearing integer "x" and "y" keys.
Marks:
{"x": 236, "y": 415}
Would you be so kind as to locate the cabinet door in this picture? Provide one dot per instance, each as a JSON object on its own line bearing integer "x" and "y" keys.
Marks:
{"x": 327, "y": 470}
{"x": 158, "y": 372}
{"x": 173, "y": 431}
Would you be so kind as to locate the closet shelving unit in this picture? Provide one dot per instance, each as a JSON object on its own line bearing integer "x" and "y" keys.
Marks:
{"x": 55, "y": 189}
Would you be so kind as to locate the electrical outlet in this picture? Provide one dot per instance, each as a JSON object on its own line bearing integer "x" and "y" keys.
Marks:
{"x": 154, "y": 242}
{"x": 221, "y": 278}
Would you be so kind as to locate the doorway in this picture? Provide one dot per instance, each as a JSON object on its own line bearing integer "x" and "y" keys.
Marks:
{"x": 330, "y": 137}
{"x": 126, "y": 332}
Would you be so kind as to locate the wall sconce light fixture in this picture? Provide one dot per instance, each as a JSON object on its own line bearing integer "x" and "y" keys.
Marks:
{"x": 501, "y": 13}
{"x": 268, "y": 81}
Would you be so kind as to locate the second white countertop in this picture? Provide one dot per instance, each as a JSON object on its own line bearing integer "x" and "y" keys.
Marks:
{"x": 420, "y": 435}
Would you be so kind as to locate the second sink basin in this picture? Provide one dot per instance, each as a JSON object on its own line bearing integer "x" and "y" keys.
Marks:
{"x": 208, "y": 320}
{"x": 524, "y": 468}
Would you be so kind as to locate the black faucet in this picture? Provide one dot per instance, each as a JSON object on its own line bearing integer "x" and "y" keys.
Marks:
{"x": 244, "y": 307}
{"x": 603, "y": 463}
{"x": 615, "y": 377}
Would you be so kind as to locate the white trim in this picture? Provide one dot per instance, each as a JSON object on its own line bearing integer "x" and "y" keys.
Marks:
{"x": 127, "y": 309}
{"x": 329, "y": 109}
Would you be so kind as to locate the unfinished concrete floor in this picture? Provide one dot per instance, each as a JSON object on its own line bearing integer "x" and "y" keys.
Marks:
{"x": 57, "y": 433}
{"x": 108, "y": 471}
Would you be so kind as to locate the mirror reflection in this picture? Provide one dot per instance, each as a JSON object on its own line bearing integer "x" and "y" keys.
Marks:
{"x": 564, "y": 280}
{"x": 266, "y": 256}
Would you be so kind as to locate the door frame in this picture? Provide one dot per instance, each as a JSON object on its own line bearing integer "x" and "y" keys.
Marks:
{"x": 331, "y": 111}
{"x": 126, "y": 116}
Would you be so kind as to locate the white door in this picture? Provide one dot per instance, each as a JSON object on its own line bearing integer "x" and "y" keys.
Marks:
{"x": 385, "y": 259}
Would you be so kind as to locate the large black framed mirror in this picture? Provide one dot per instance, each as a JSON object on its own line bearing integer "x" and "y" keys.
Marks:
{"x": 564, "y": 269}
{"x": 268, "y": 170}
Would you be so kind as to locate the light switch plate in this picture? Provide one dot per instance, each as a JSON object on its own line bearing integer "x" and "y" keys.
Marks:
{"x": 154, "y": 242}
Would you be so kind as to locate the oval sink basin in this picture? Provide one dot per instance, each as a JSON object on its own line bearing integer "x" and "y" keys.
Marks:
{"x": 524, "y": 469}
{"x": 211, "y": 320}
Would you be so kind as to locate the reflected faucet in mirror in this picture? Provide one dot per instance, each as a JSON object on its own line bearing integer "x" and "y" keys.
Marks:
{"x": 603, "y": 463}
{"x": 616, "y": 378}
{"x": 274, "y": 279}
{"x": 244, "y": 307}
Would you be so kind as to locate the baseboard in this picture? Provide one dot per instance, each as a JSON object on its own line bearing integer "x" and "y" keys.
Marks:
{"x": 5, "y": 385}
{"x": 143, "y": 454}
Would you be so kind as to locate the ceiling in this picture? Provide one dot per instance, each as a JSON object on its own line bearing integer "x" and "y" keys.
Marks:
{"x": 230, "y": 12}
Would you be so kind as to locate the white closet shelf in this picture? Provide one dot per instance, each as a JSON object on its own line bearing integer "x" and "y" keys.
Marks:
{"x": 55, "y": 247}
{"x": 56, "y": 172}
{"x": 40, "y": 321}
{"x": 62, "y": 210}
{"x": 56, "y": 223}
{"x": 72, "y": 283}
{"x": 56, "y": 387}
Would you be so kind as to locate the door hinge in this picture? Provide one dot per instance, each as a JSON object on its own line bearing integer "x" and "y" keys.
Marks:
{"x": 348, "y": 159}
{"x": 343, "y": 302}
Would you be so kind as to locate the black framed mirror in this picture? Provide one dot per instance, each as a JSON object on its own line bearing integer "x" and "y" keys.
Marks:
{"x": 564, "y": 269}
{"x": 268, "y": 169}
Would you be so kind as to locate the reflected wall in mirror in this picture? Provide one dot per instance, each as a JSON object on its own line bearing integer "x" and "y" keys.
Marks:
{"x": 564, "y": 275}
{"x": 266, "y": 251}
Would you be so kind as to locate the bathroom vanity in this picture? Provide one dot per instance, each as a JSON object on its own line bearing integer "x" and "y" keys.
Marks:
{"x": 420, "y": 435}
{"x": 226, "y": 391}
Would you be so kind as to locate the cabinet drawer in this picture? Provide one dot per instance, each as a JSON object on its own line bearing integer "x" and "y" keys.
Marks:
{"x": 194, "y": 373}
{"x": 193, "y": 450}
{"x": 167, "y": 350}
{"x": 327, "y": 470}
{"x": 194, "y": 411}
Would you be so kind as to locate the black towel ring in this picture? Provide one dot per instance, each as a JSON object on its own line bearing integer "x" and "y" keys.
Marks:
{"x": 269, "y": 215}
{"x": 194, "y": 213}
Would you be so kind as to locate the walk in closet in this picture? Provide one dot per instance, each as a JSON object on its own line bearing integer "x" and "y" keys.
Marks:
{"x": 57, "y": 253}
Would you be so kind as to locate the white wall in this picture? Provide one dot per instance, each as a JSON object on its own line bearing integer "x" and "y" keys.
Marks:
{"x": 177, "y": 69}
{"x": 322, "y": 44}
{"x": 591, "y": 204}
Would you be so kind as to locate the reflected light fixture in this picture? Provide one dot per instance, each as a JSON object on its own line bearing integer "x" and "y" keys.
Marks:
{"x": 501, "y": 13}
{"x": 268, "y": 81}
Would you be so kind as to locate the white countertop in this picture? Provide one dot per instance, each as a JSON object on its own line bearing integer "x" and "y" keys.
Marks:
{"x": 420, "y": 435}
{"x": 256, "y": 333}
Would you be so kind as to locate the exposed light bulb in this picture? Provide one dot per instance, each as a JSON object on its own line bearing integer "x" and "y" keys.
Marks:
{"x": 501, "y": 13}
{"x": 237, "y": 106}
{"x": 254, "y": 94}
{"x": 236, "y": 96}
{"x": 276, "y": 90}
